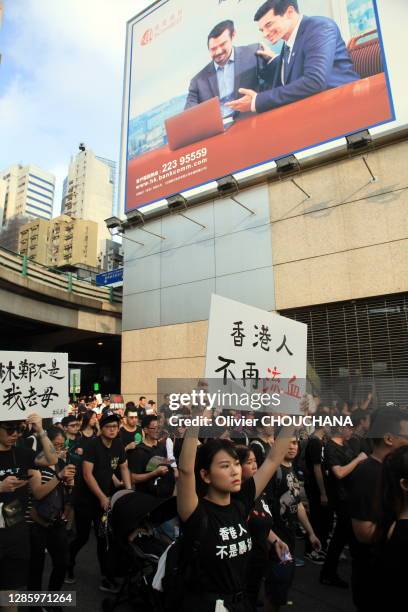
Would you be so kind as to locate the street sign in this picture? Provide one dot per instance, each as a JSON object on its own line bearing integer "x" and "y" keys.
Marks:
{"x": 109, "y": 278}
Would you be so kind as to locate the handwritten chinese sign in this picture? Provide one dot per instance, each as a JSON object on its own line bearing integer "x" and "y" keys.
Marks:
{"x": 257, "y": 351}
{"x": 33, "y": 382}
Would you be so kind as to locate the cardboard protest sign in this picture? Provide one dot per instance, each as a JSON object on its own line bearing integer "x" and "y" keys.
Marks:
{"x": 33, "y": 382}
{"x": 256, "y": 351}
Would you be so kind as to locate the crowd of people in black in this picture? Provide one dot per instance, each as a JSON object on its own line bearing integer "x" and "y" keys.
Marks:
{"x": 244, "y": 497}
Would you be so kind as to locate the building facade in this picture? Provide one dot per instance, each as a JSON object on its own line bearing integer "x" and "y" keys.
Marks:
{"x": 336, "y": 260}
{"x": 28, "y": 193}
{"x": 61, "y": 242}
{"x": 89, "y": 191}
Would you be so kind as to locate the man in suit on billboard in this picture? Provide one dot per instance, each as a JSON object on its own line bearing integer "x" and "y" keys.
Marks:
{"x": 313, "y": 58}
{"x": 231, "y": 68}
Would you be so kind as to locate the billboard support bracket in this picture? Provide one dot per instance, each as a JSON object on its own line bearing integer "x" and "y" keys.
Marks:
{"x": 373, "y": 177}
{"x": 308, "y": 196}
{"x": 252, "y": 212}
{"x": 192, "y": 220}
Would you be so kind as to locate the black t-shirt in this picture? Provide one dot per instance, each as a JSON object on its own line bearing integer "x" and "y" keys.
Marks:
{"x": 313, "y": 456}
{"x": 335, "y": 454}
{"x": 360, "y": 444}
{"x": 139, "y": 457}
{"x": 395, "y": 567}
{"x": 225, "y": 542}
{"x": 129, "y": 436}
{"x": 16, "y": 462}
{"x": 105, "y": 461}
{"x": 364, "y": 493}
{"x": 141, "y": 412}
{"x": 285, "y": 501}
{"x": 260, "y": 523}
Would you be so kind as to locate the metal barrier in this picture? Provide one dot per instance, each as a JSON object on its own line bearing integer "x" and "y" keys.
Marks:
{"x": 55, "y": 278}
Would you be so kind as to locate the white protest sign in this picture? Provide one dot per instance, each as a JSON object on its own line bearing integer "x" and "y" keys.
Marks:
{"x": 258, "y": 351}
{"x": 33, "y": 382}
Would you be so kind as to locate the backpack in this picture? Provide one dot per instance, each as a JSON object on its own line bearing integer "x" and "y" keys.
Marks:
{"x": 51, "y": 507}
{"x": 176, "y": 569}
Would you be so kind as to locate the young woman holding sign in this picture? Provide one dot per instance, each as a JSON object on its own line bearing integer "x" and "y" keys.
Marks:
{"x": 213, "y": 506}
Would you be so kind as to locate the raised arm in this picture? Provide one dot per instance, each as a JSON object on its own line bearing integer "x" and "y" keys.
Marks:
{"x": 187, "y": 500}
{"x": 273, "y": 459}
{"x": 341, "y": 471}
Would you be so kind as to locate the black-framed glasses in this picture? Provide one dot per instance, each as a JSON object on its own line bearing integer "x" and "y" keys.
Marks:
{"x": 10, "y": 429}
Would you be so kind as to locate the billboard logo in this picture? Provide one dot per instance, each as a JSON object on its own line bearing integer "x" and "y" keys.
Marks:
{"x": 166, "y": 24}
{"x": 147, "y": 37}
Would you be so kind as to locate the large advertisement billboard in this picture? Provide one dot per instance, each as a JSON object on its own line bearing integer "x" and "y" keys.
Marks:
{"x": 220, "y": 86}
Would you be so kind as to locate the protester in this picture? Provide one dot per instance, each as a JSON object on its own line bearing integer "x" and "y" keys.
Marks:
{"x": 141, "y": 408}
{"x": 216, "y": 520}
{"x": 389, "y": 431}
{"x": 287, "y": 510}
{"x": 262, "y": 441}
{"x": 45, "y": 515}
{"x": 17, "y": 465}
{"x": 339, "y": 463}
{"x": 260, "y": 523}
{"x": 393, "y": 529}
{"x": 89, "y": 427}
{"x": 92, "y": 491}
{"x": 320, "y": 514}
{"x": 152, "y": 408}
{"x": 359, "y": 442}
{"x": 71, "y": 425}
{"x": 148, "y": 463}
{"x": 130, "y": 432}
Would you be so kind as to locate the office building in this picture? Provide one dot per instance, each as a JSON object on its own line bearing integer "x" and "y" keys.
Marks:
{"x": 89, "y": 190}
{"x": 60, "y": 242}
{"x": 27, "y": 193}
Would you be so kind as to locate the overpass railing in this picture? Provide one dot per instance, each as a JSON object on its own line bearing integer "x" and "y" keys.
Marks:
{"x": 56, "y": 278}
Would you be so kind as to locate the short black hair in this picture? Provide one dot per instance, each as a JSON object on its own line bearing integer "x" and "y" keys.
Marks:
{"x": 130, "y": 407}
{"x": 69, "y": 419}
{"x": 358, "y": 416}
{"x": 220, "y": 29}
{"x": 279, "y": 7}
{"x": 151, "y": 402}
{"x": 146, "y": 420}
{"x": 386, "y": 420}
{"x": 142, "y": 397}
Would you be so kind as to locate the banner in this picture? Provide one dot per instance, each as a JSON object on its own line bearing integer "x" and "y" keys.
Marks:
{"x": 216, "y": 87}
{"x": 33, "y": 382}
{"x": 257, "y": 352}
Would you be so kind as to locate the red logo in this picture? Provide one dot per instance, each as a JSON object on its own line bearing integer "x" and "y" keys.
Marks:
{"x": 147, "y": 37}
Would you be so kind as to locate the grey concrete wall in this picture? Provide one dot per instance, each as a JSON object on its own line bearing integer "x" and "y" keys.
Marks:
{"x": 171, "y": 281}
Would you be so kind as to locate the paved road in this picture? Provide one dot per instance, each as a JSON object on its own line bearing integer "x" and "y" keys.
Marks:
{"x": 307, "y": 594}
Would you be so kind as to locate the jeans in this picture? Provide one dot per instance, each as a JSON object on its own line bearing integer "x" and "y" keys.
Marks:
{"x": 55, "y": 540}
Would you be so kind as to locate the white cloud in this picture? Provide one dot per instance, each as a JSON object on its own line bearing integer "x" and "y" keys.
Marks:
{"x": 66, "y": 87}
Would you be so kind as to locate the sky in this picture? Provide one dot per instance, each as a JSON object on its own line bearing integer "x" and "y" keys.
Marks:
{"x": 61, "y": 77}
{"x": 61, "y": 80}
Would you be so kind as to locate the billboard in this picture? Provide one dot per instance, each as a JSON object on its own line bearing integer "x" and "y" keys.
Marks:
{"x": 216, "y": 87}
